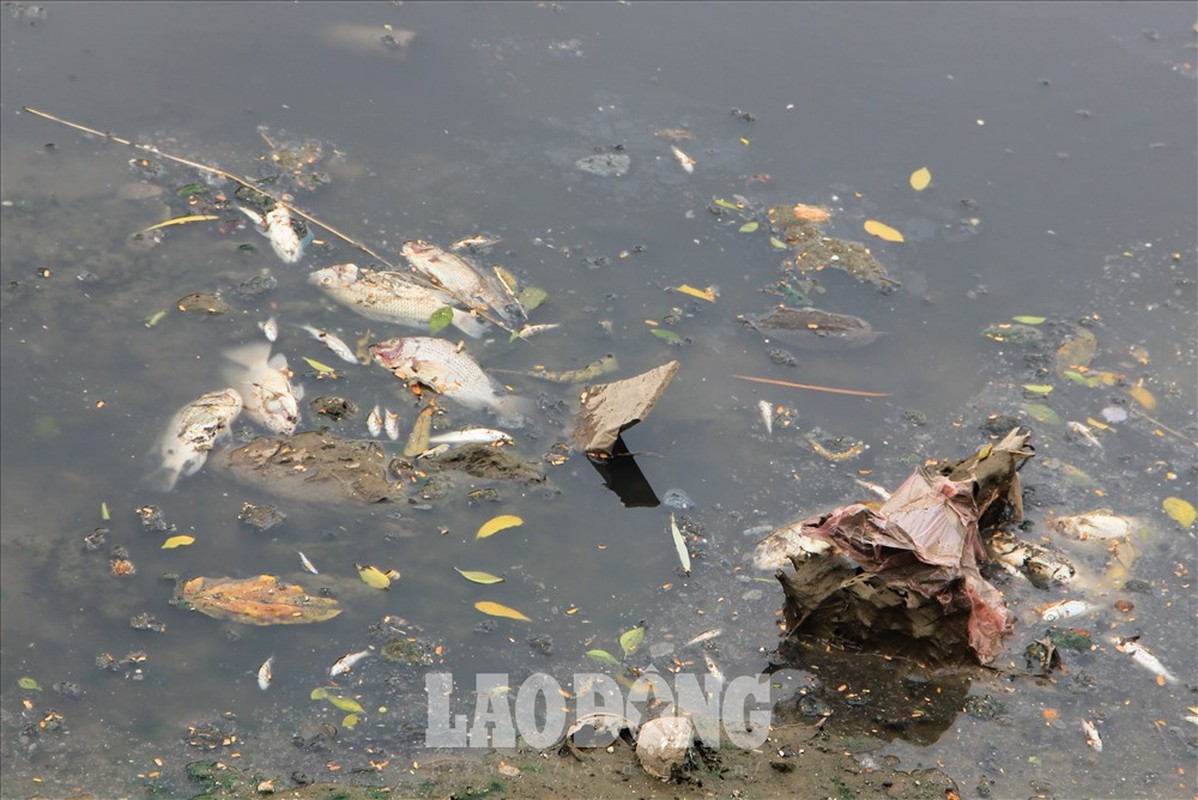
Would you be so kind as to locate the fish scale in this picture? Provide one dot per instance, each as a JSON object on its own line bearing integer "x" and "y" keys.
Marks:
{"x": 439, "y": 364}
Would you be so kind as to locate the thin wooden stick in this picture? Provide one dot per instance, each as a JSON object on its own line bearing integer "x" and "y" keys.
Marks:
{"x": 830, "y": 389}
{"x": 249, "y": 184}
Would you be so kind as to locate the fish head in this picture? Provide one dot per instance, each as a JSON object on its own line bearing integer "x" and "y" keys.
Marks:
{"x": 393, "y": 352}
{"x": 416, "y": 249}
{"x": 336, "y": 276}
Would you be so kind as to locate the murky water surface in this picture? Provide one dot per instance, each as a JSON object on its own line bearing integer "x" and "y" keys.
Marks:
{"x": 1061, "y": 142}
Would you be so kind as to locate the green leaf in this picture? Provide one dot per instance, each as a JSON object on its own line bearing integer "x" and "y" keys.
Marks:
{"x": 190, "y": 189}
{"x": 604, "y": 657}
{"x": 1042, "y": 413}
{"x": 530, "y": 297}
{"x": 748, "y": 227}
{"x": 476, "y": 576}
{"x": 722, "y": 203}
{"x": 777, "y": 243}
{"x": 684, "y": 556}
{"x": 104, "y": 515}
{"x": 1026, "y": 320}
{"x": 319, "y": 693}
{"x": 632, "y": 639}
{"x": 350, "y": 721}
{"x": 1038, "y": 388}
{"x": 1084, "y": 380}
{"x": 669, "y": 336}
{"x": 29, "y": 685}
{"x": 440, "y": 319}
{"x": 319, "y": 366}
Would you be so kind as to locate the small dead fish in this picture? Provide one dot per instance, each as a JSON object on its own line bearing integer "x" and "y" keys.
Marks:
{"x": 1091, "y": 732}
{"x": 1100, "y": 524}
{"x": 192, "y": 432}
{"x": 1064, "y": 609}
{"x": 686, "y": 161}
{"x": 529, "y": 331}
{"x": 812, "y": 328}
{"x": 270, "y": 329}
{"x": 713, "y": 668}
{"x": 391, "y": 424}
{"x": 390, "y": 297}
{"x": 767, "y": 416}
{"x": 440, "y": 365}
{"x": 1085, "y": 434}
{"x": 1142, "y": 656}
{"x": 434, "y": 451}
{"x": 308, "y": 565}
{"x": 880, "y": 491}
{"x": 288, "y": 236}
{"x": 333, "y": 342}
{"x": 704, "y": 636}
{"x": 477, "y": 242}
{"x": 265, "y": 675}
{"x": 374, "y": 422}
{"x": 348, "y": 662}
{"x": 264, "y": 383}
{"x": 471, "y": 436}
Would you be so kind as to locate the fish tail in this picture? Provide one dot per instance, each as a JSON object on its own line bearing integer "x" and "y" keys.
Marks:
{"x": 467, "y": 323}
{"x": 512, "y": 409}
{"x": 249, "y": 355}
{"x": 162, "y": 479}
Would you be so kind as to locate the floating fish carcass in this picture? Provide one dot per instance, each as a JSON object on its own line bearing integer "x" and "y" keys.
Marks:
{"x": 333, "y": 342}
{"x": 1145, "y": 658}
{"x": 1064, "y": 609}
{"x": 191, "y": 434}
{"x": 390, "y": 297}
{"x": 463, "y": 280}
{"x": 265, "y": 385}
{"x": 347, "y": 662}
{"x": 471, "y": 436}
{"x": 441, "y": 366}
{"x": 266, "y": 673}
{"x": 288, "y": 236}
{"x": 1098, "y": 524}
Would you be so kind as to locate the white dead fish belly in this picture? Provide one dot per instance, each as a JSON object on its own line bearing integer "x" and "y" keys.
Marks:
{"x": 390, "y": 297}
{"x": 193, "y": 431}
{"x": 288, "y": 236}
{"x": 374, "y": 422}
{"x": 1064, "y": 609}
{"x": 471, "y": 436}
{"x": 266, "y": 674}
{"x": 333, "y": 342}
{"x": 347, "y": 662}
{"x": 438, "y": 364}
{"x": 265, "y": 386}
{"x": 462, "y": 279}
{"x": 1142, "y": 656}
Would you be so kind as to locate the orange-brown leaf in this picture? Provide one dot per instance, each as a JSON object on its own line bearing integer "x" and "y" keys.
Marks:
{"x": 262, "y": 600}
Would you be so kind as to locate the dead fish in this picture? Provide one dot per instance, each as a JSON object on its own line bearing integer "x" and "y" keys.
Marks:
{"x": 703, "y": 636}
{"x": 265, "y": 385}
{"x": 265, "y": 675}
{"x": 333, "y": 342}
{"x": 471, "y": 436}
{"x": 1064, "y": 609}
{"x": 600, "y": 366}
{"x": 347, "y": 662}
{"x": 684, "y": 160}
{"x": 439, "y": 364}
{"x": 463, "y": 280}
{"x": 307, "y": 565}
{"x": 374, "y": 422}
{"x": 270, "y": 329}
{"x": 880, "y": 491}
{"x": 713, "y": 668}
{"x": 1142, "y": 656}
{"x": 1039, "y": 564}
{"x": 479, "y": 241}
{"x": 767, "y": 415}
{"x": 529, "y": 331}
{"x": 390, "y": 297}
{"x": 1102, "y": 524}
{"x": 812, "y": 328}
{"x": 1085, "y": 434}
{"x": 391, "y": 424}
{"x": 191, "y": 434}
{"x": 1091, "y": 733}
{"x": 288, "y": 236}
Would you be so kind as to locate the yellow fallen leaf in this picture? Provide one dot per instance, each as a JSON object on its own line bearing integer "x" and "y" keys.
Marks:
{"x": 178, "y": 541}
{"x": 1038, "y": 388}
{"x": 477, "y": 576}
{"x": 345, "y": 703}
{"x": 883, "y": 231}
{"x": 707, "y": 294}
{"x": 180, "y": 221}
{"x": 920, "y": 179}
{"x": 499, "y": 610}
{"x": 497, "y": 524}
{"x": 350, "y": 721}
{"x": 1142, "y": 395}
{"x": 319, "y": 366}
{"x": 375, "y": 578}
{"x": 1181, "y": 511}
